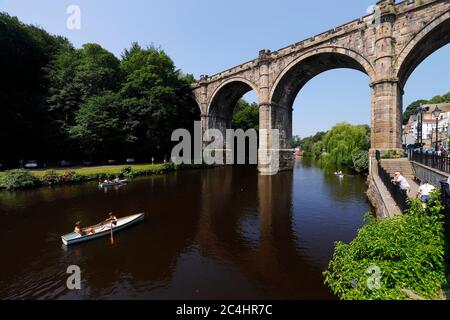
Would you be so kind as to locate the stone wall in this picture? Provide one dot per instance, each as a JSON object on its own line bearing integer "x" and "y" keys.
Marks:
{"x": 426, "y": 173}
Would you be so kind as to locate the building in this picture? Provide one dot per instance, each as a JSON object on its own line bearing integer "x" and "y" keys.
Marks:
{"x": 429, "y": 126}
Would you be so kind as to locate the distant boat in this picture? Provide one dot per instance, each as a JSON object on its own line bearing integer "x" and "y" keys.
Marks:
{"x": 112, "y": 183}
{"x": 102, "y": 230}
{"x": 339, "y": 174}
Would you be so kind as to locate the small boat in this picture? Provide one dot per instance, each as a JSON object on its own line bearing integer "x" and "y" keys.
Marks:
{"x": 112, "y": 183}
{"x": 102, "y": 229}
{"x": 339, "y": 175}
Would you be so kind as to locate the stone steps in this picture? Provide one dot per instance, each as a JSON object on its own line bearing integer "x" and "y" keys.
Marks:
{"x": 405, "y": 168}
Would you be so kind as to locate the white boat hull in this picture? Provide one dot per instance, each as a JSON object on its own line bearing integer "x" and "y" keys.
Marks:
{"x": 102, "y": 230}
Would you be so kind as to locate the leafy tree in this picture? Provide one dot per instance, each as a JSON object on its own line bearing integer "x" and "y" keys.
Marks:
{"x": 156, "y": 100}
{"x": 342, "y": 141}
{"x": 360, "y": 159}
{"x": 24, "y": 123}
{"x": 98, "y": 128}
{"x": 75, "y": 76}
{"x": 246, "y": 116}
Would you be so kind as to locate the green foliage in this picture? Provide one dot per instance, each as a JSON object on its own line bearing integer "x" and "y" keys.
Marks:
{"x": 24, "y": 121}
{"x": 393, "y": 154}
{"x": 98, "y": 129}
{"x": 409, "y": 251}
{"x": 126, "y": 172}
{"x": 307, "y": 144}
{"x": 18, "y": 179}
{"x": 341, "y": 142}
{"x": 86, "y": 102}
{"x": 360, "y": 159}
{"x": 156, "y": 99}
{"x": 246, "y": 116}
{"x": 51, "y": 178}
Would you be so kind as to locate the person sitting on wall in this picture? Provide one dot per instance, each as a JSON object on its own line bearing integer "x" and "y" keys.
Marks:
{"x": 401, "y": 182}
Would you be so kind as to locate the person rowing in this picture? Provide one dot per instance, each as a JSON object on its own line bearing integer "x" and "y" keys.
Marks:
{"x": 81, "y": 231}
{"x": 112, "y": 219}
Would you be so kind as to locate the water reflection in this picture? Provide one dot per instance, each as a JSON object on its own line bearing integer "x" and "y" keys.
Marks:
{"x": 219, "y": 233}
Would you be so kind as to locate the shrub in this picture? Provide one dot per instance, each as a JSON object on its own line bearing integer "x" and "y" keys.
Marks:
{"x": 360, "y": 160}
{"x": 18, "y": 179}
{"x": 393, "y": 154}
{"x": 126, "y": 172}
{"x": 408, "y": 251}
{"x": 51, "y": 178}
{"x": 73, "y": 177}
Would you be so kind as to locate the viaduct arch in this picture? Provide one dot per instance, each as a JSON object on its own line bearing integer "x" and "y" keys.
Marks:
{"x": 386, "y": 45}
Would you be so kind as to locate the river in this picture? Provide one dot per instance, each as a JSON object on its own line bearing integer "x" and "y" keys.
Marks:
{"x": 223, "y": 233}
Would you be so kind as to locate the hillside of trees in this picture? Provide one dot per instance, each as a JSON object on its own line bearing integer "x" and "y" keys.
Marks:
{"x": 59, "y": 102}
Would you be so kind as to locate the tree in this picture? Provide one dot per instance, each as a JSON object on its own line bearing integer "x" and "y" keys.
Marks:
{"x": 156, "y": 100}
{"x": 24, "y": 122}
{"x": 98, "y": 127}
{"x": 342, "y": 141}
{"x": 412, "y": 109}
{"x": 246, "y": 116}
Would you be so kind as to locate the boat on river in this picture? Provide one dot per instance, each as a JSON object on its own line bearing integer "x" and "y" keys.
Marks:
{"x": 102, "y": 229}
{"x": 113, "y": 183}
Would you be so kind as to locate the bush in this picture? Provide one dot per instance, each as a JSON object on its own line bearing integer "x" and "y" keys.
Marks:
{"x": 408, "y": 251}
{"x": 126, "y": 172}
{"x": 18, "y": 179}
{"x": 51, "y": 178}
{"x": 360, "y": 160}
{"x": 393, "y": 154}
{"x": 73, "y": 177}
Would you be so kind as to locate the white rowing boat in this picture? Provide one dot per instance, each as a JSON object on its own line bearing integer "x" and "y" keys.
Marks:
{"x": 112, "y": 183}
{"x": 102, "y": 229}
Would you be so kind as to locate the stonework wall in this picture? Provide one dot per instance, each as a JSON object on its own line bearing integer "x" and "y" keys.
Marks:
{"x": 426, "y": 173}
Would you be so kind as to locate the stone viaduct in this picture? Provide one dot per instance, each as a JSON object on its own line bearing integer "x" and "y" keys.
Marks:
{"x": 386, "y": 45}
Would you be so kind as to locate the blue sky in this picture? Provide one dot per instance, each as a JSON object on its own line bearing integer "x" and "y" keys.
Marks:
{"x": 206, "y": 37}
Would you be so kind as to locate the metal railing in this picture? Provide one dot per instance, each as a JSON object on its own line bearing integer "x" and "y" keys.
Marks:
{"x": 400, "y": 196}
{"x": 436, "y": 160}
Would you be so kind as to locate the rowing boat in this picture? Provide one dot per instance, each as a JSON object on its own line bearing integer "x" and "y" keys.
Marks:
{"x": 112, "y": 183}
{"x": 102, "y": 229}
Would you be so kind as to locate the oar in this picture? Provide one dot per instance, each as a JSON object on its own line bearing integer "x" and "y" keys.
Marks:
{"x": 112, "y": 237}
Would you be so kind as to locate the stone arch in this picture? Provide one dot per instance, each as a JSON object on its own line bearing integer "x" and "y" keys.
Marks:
{"x": 224, "y": 98}
{"x": 431, "y": 38}
{"x": 293, "y": 78}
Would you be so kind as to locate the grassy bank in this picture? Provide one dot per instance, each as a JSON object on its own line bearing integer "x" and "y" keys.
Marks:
{"x": 25, "y": 179}
{"x": 397, "y": 258}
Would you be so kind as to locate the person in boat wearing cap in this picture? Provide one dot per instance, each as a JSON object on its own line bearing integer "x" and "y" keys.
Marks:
{"x": 111, "y": 218}
{"x": 82, "y": 232}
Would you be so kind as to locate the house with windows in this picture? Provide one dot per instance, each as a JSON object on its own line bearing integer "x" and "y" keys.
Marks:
{"x": 429, "y": 125}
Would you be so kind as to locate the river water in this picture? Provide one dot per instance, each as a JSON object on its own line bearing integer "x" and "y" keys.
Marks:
{"x": 223, "y": 233}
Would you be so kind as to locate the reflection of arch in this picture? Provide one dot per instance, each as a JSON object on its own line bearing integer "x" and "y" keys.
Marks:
{"x": 225, "y": 97}
{"x": 311, "y": 64}
{"x": 432, "y": 37}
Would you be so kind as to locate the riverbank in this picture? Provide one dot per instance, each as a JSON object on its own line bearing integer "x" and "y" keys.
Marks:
{"x": 25, "y": 179}
{"x": 394, "y": 259}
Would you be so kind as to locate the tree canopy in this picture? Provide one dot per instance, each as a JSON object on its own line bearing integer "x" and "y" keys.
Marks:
{"x": 59, "y": 102}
